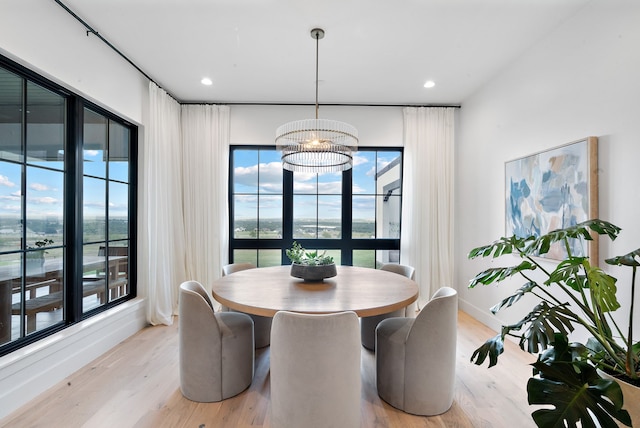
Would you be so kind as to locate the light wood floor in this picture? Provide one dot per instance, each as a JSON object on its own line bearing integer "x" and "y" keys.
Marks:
{"x": 137, "y": 385}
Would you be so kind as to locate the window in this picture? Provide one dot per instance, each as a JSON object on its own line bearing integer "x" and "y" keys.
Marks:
{"x": 65, "y": 207}
{"x": 353, "y": 215}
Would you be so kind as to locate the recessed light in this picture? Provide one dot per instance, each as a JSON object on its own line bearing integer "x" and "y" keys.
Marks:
{"x": 429, "y": 84}
{"x": 206, "y": 81}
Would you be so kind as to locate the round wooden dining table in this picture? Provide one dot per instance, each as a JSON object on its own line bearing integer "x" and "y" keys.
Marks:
{"x": 265, "y": 291}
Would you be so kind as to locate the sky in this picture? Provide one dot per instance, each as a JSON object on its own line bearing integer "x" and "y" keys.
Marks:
{"x": 258, "y": 176}
{"x": 45, "y": 188}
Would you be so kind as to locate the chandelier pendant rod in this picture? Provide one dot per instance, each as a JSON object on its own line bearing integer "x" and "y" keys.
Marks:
{"x": 318, "y": 33}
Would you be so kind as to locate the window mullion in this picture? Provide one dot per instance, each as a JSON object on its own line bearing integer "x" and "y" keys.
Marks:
{"x": 347, "y": 217}
{"x": 287, "y": 212}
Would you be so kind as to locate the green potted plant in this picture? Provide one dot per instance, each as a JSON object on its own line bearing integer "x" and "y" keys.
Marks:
{"x": 35, "y": 256}
{"x": 576, "y": 379}
{"x": 310, "y": 265}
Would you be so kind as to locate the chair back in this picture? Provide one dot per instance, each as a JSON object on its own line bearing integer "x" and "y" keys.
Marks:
{"x": 236, "y": 267}
{"x": 408, "y": 271}
{"x": 315, "y": 370}
{"x": 215, "y": 350}
{"x": 113, "y": 251}
{"x": 430, "y": 361}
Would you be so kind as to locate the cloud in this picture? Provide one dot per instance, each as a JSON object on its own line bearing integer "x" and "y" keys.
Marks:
{"x": 47, "y": 200}
{"x": 94, "y": 204}
{"x": 245, "y": 199}
{"x": 331, "y": 188}
{"x": 270, "y": 176}
{"x": 11, "y": 197}
{"x": 359, "y": 160}
{"x": 39, "y": 187}
{"x": 12, "y": 208}
{"x": 4, "y": 181}
{"x": 91, "y": 153}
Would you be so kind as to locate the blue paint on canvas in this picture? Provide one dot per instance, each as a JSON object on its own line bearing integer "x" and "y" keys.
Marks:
{"x": 548, "y": 191}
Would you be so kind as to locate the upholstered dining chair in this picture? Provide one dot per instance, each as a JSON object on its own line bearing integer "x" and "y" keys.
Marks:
{"x": 236, "y": 267}
{"x": 215, "y": 348}
{"x": 315, "y": 370}
{"x": 416, "y": 357}
{"x": 368, "y": 324}
{"x": 261, "y": 325}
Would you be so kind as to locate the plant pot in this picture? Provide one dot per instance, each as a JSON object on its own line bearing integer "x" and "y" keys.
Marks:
{"x": 313, "y": 273}
{"x": 35, "y": 262}
{"x": 631, "y": 396}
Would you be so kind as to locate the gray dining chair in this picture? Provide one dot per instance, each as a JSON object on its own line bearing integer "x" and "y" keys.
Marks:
{"x": 368, "y": 324}
{"x": 416, "y": 357}
{"x": 262, "y": 325}
{"x": 216, "y": 353}
{"x": 315, "y": 370}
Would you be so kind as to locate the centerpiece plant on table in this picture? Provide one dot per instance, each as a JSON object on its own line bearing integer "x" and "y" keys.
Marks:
{"x": 300, "y": 256}
{"x": 311, "y": 266}
{"x": 575, "y": 379}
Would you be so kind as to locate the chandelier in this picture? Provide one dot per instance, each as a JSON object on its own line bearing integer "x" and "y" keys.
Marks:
{"x": 317, "y": 145}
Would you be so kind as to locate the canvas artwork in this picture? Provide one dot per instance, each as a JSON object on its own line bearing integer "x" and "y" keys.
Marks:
{"x": 551, "y": 190}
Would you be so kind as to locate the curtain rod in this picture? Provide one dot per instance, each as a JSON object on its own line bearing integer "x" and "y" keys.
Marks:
{"x": 105, "y": 41}
{"x": 327, "y": 104}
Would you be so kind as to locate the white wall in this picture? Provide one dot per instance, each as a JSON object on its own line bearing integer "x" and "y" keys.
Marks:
{"x": 583, "y": 79}
{"x": 49, "y": 41}
{"x": 41, "y": 36}
{"x": 257, "y": 124}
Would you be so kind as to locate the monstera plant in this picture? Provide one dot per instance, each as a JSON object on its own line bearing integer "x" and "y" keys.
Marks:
{"x": 575, "y": 379}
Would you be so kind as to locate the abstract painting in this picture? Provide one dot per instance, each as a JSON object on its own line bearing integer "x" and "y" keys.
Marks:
{"x": 551, "y": 190}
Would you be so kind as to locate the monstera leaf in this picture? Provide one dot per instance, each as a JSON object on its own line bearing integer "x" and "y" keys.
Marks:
{"x": 574, "y": 389}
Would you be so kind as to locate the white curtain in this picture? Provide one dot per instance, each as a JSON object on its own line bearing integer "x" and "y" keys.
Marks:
{"x": 184, "y": 231}
{"x": 427, "y": 197}
{"x": 205, "y": 140}
{"x": 161, "y": 240}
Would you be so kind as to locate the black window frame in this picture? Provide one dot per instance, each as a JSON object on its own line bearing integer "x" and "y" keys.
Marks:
{"x": 346, "y": 244}
{"x": 73, "y": 207}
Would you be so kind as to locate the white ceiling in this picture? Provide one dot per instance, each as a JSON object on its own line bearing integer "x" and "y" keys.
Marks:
{"x": 374, "y": 51}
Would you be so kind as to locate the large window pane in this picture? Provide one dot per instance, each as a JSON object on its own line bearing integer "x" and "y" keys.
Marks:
{"x": 257, "y": 199}
{"x": 364, "y": 258}
{"x": 95, "y": 144}
{"x": 329, "y": 217}
{"x": 387, "y": 256}
{"x": 45, "y": 137}
{"x": 44, "y": 206}
{"x": 270, "y": 172}
{"x": 268, "y": 258}
{"x": 388, "y": 217}
{"x": 94, "y": 278}
{"x": 364, "y": 173}
{"x": 245, "y": 218}
{"x": 11, "y": 116}
{"x": 245, "y": 256}
{"x": 118, "y": 210}
{"x": 41, "y": 205}
{"x": 305, "y": 217}
{"x": 245, "y": 171}
{"x": 11, "y": 296}
{"x": 106, "y": 211}
{"x": 94, "y": 215}
{"x": 270, "y": 217}
{"x": 313, "y": 206}
{"x": 10, "y": 206}
{"x": 119, "y": 137}
{"x": 377, "y": 186}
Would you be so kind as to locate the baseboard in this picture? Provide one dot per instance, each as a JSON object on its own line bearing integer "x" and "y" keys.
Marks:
{"x": 482, "y": 315}
{"x": 29, "y": 371}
